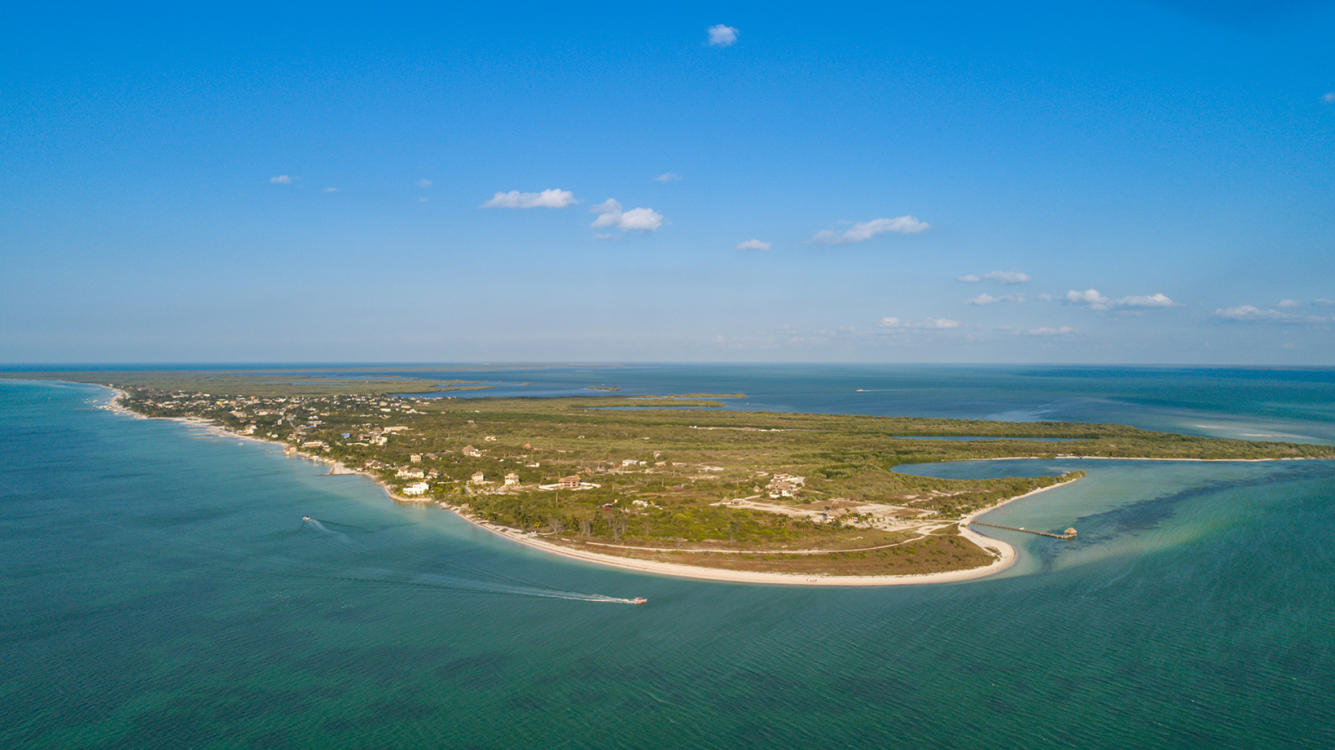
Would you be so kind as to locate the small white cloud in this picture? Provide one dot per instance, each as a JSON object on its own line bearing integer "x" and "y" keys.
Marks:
{"x": 1045, "y": 297}
{"x": 423, "y": 200}
{"x": 604, "y": 236}
{"x": 1001, "y": 277}
{"x": 1254, "y": 314}
{"x": 1152, "y": 300}
{"x": 281, "y": 179}
{"x": 330, "y": 190}
{"x": 865, "y": 230}
{"x": 1007, "y": 277}
{"x": 1323, "y": 302}
{"x": 1247, "y": 312}
{"x": 1049, "y": 331}
{"x": 987, "y": 299}
{"x": 722, "y": 36}
{"x": 1288, "y": 303}
{"x": 753, "y": 245}
{"x": 1329, "y": 98}
{"x": 1091, "y": 298}
{"x": 643, "y": 219}
{"x": 424, "y": 183}
{"x": 668, "y": 177}
{"x": 926, "y": 324}
{"x": 552, "y": 198}
{"x": 610, "y": 214}
{"x": 1094, "y": 300}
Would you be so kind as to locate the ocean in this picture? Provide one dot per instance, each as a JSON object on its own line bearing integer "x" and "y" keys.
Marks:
{"x": 160, "y": 588}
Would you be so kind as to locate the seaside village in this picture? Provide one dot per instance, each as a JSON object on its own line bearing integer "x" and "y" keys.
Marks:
{"x": 300, "y": 423}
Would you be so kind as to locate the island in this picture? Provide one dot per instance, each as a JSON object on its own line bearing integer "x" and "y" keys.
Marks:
{"x": 674, "y": 484}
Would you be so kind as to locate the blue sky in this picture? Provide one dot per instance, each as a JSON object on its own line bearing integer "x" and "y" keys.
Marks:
{"x": 1141, "y": 183}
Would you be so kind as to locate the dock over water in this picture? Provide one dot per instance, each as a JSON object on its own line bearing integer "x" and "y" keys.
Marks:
{"x": 1068, "y": 534}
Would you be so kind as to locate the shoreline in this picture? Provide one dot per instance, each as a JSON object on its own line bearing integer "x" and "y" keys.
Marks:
{"x": 1005, "y": 553}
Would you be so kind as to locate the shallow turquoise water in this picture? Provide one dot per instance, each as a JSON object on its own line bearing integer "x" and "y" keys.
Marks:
{"x": 159, "y": 589}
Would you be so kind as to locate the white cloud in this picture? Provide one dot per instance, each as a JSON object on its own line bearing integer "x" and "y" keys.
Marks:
{"x": 668, "y": 177}
{"x": 423, "y": 200}
{"x": 643, "y": 219}
{"x": 721, "y": 35}
{"x": 1247, "y": 312}
{"x": 609, "y": 212}
{"x": 611, "y": 215}
{"x": 1001, "y": 277}
{"x": 1152, "y": 300}
{"x": 1254, "y": 314}
{"x": 1323, "y": 302}
{"x": 1094, "y": 300}
{"x": 604, "y": 236}
{"x": 1049, "y": 331}
{"x": 281, "y": 179}
{"x": 1288, "y": 303}
{"x": 865, "y": 230}
{"x": 987, "y": 299}
{"x": 1007, "y": 277}
{"x": 552, "y": 198}
{"x": 926, "y": 324}
{"x": 1045, "y": 297}
{"x": 331, "y": 190}
{"x": 753, "y": 245}
{"x": 1090, "y": 298}
{"x": 424, "y": 183}
{"x": 1329, "y": 98}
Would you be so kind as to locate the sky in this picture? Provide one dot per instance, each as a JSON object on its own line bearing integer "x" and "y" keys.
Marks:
{"x": 1146, "y": 182}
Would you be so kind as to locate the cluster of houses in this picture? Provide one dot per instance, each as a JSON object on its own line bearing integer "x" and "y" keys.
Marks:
{"x": 297, "y": 420}
{"x": 785, "y": 485}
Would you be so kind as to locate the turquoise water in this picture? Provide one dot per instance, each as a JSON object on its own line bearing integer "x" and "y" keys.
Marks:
{"x": 158, "y": 588}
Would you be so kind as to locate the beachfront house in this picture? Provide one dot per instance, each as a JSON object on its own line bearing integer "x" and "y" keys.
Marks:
{"x": 417, "y": 489}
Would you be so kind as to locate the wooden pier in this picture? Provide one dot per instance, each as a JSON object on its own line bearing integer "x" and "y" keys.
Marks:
{"x": 1068, "y": 534}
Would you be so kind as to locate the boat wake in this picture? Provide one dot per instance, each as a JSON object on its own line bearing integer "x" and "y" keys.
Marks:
{"x": 476, "y": 585}
{"x": 474, "y": 580}
{"x": 314, "y": 523}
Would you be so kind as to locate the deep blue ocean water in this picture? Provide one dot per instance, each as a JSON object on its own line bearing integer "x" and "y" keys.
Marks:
{"x": 158, "y": 588}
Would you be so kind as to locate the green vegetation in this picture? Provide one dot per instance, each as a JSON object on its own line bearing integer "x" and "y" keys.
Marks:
{"x": 731, "y": 489}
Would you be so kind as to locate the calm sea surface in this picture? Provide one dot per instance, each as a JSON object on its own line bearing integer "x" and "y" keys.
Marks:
{"x": 158, "y": 588}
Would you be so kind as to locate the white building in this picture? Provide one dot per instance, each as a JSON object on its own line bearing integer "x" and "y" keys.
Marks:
{"x": 416, "y": 489}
